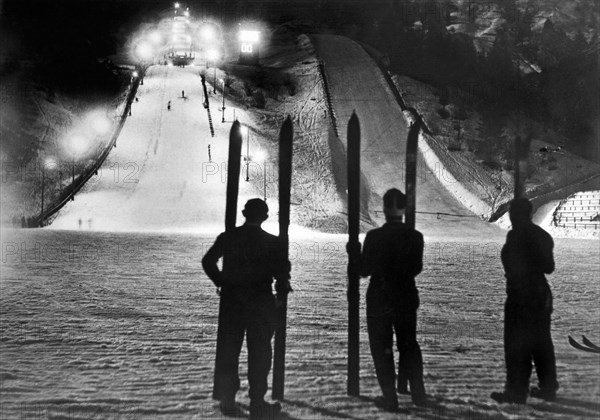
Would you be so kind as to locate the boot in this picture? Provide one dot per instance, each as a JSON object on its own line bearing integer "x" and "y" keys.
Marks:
{"x": 264, "y": 410}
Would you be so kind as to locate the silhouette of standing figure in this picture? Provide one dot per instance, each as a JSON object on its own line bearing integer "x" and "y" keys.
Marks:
{"x": 169, "y": 105}
{"x": 251, "y": 259}
{"x": 182, "y": 94}
{"x": 526, "y": 257}
{"x": 393, "y": 255}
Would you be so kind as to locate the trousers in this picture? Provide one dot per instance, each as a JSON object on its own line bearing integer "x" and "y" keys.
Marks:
{"x": 384, "y": 320}
{"x": 255, "y": 318}
{"x": 527, "y": 339}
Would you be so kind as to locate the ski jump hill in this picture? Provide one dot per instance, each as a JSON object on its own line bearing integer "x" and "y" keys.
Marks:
{"x": 160, "y": 176}
{"x": 356, "y": 84}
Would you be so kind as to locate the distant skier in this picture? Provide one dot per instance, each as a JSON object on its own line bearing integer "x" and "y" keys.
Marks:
{"x": 251, "y": 259}
{"x": 183, "y": 94}
{"x": 526, "y": 257}
{"x": 393, "y": 255}
{"x": 169, "y": 106}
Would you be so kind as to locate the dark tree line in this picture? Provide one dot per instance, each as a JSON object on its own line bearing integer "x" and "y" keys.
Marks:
{"x": 529, "y": 64}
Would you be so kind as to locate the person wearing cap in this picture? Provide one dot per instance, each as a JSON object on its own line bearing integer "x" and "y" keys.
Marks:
{"x": 526, "y": 258}
{"x": 393, "y": 256}
{"x": 252, "y": 258}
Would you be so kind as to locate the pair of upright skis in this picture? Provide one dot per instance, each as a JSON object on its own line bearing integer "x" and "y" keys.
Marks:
{"x": 285, "y": 177}
{"x": 353, "y": 171}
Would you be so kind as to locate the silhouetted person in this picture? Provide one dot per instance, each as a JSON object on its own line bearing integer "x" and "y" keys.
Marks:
{"x": 23, "y": 222}
{"x": 182, "y": 94}
{"x": 393, "y": 255}
{"x": 251, "y": 259}
{"x": 526, "y": 257}
{"x": 80, "y": 223}
{"x": 169, "y": 105}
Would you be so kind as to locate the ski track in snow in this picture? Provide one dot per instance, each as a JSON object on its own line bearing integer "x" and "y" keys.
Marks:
{"x": 102, "y": 325}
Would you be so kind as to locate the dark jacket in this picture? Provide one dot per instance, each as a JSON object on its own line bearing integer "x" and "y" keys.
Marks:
{"x": 252, "y": 258}
{"x": 527, "y": 256}
{"x": 393, "y": 255}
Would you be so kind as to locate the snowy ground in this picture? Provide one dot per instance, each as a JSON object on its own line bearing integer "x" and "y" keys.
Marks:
{"x": 123, "y": 325}
{"x": 116, "y": 319}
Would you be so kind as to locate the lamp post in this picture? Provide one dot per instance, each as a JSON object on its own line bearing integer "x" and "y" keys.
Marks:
{"x": 246, "y": 132}
{"x": 223, "y": 107}
{"x": 78, "y": 145}
{"x": 212, "y": 56}
{"x": 143, "y": 52}
{"x": 215, "y": 79}
{"x": 261, "y": 156}
{"x": 49, "y": 162}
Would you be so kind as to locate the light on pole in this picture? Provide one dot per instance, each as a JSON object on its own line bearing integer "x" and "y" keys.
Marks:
{"x": 143, "y": 52}
{"x": 215, "y": 80}
{"x": 77, "y": 145}
{"x": 246, "y": 133}
{"x": 223, "y": 107}
{"x": 50, "y": 162}
{"x": 261, "y": 156}
{"x": 212, "y": 56}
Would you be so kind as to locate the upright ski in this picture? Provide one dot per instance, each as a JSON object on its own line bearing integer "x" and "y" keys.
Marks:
{"x": 233, "y": 176}
{"x": 285, "y": 182}
{"x": 521, "y": 153}
{"x": 411, "y": 169}
{"x": 353, "y": 150}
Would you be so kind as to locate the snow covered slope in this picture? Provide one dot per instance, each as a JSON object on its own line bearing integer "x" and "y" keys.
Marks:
{"x": 356, "y": 84}
{"x": 159, "y": 178}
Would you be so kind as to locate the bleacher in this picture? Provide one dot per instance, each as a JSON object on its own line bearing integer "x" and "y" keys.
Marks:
{"x": 579, "y": 211}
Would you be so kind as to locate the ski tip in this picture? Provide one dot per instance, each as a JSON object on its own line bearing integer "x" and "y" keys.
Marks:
{"x": 287, "y": 128}
{"x": 236, "y": 132}
{"x": 353, "y": 124}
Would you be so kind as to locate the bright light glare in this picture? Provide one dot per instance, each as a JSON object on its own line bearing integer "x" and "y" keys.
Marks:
{"x": 176, "y": 5}
{"x": 260, "y": 155}
{"x": 212, "y": 55}
{"x": 186, "y": 13}
{"x": 135, "y": 74}
{"x": 50, "y": 163}
{"x": 249, "y": 36}
{"x": 156, "y": 37}
{"x": 208, "y": 33}
{"x": 78, "y": 144}
{"x": 143, "y": 51}
{"x": 100, "y": 123}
